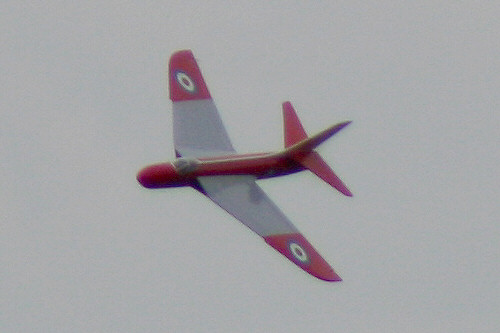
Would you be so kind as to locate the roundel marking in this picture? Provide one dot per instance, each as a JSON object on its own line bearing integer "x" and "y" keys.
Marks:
{"x": 298, "y": 252}
{"x": 185, "y": 82}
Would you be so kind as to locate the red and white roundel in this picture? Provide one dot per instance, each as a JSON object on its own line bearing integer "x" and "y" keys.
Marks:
{"x": 298, "y": 252}
{"x": 185, "y": 82}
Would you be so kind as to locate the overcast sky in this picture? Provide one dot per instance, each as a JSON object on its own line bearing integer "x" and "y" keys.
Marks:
{"x": 84, "y": 105}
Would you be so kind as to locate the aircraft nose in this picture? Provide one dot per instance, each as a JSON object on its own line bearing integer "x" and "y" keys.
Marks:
{"x": 157, "y": 176}
{"x": 143, "y": 178}
{"x": 149, "y": 176}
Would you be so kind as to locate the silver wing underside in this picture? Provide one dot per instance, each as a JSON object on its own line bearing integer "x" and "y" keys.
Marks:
{"x": 198, "y": 130}
{"x": 241, "y": 197}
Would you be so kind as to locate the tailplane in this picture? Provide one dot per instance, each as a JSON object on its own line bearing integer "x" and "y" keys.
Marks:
{"x": 300, "y": 148}
{"x": 315, "y": 163}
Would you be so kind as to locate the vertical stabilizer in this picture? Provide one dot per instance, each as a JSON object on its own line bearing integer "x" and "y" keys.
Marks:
{"x": 293, "y": 130}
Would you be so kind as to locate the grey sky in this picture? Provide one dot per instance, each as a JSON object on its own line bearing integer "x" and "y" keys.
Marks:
{"x": 84, "y": 105}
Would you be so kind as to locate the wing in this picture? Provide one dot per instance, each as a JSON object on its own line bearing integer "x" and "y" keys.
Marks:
{"x": 198, "y": 128}
{"x": 241, "y": 197}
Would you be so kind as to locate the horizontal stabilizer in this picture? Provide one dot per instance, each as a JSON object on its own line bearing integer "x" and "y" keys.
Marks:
{"x": 318, "y": 166}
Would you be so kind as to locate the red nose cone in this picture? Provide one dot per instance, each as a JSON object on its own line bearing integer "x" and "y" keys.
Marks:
{"x": 160, "y": 176}
{"x": 142, "y": 178}
{"x": 155, "y": 176}
{"x": 145, "y": 177}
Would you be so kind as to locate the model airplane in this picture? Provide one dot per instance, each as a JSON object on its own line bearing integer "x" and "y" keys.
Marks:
{"x": 207, "y": 161}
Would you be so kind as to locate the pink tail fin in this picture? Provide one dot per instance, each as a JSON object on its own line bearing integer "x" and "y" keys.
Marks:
{"x": 293, "y": 130}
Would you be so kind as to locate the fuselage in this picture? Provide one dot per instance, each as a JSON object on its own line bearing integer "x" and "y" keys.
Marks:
{"x": 184, "y": 171}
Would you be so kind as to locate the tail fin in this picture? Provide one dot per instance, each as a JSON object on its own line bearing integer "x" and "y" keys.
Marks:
{"x": 293, "y": 130}
{"x": 299, "y": 147}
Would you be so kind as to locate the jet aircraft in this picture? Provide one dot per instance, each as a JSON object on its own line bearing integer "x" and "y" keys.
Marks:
{"x": 207, "y": 162}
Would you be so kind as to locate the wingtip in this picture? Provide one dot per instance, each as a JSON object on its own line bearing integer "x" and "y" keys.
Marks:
{"x": 344, "y": 124}
{"x": 181, "y": 52}
{"x": 329, "y": 277}
{"x": 185, "y": 79}
{"x": 335, "y": 278}
{"x": 347, "y": 192}
{"x": 298, "y": 250}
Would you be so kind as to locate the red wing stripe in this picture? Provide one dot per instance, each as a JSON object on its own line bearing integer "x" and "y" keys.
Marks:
{"x": 298, "y": 250}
